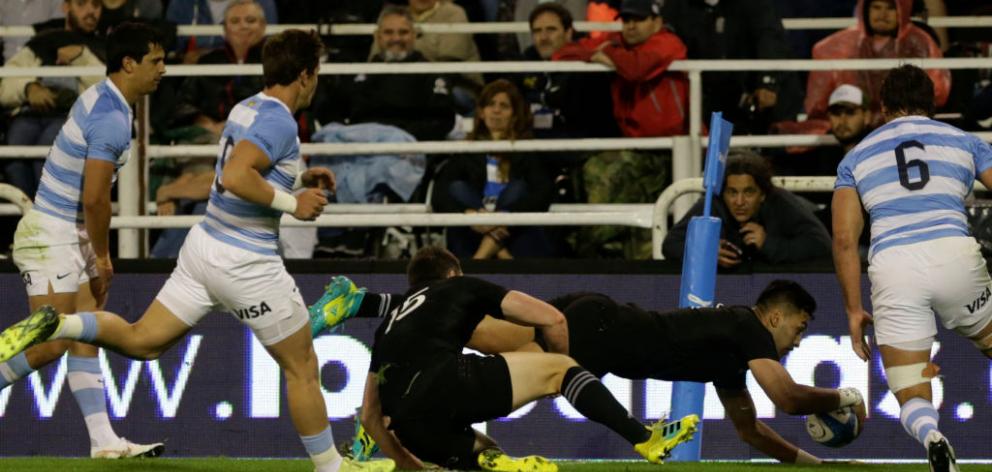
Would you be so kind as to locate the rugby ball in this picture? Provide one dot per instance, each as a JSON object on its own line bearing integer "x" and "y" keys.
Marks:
{"x": 837, "y": 428}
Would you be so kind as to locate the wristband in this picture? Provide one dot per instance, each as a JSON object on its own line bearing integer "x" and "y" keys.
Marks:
{"x": 849, "y": 396}
{"x": 283, "y": 202}
{"x": 805, "y": 458}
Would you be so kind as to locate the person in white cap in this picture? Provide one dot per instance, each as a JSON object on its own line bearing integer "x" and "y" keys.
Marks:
{"x": 849, "y": 115}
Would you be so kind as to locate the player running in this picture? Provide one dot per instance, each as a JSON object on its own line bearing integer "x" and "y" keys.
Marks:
{"x": 716, "y": 345}
{"x": 912, "y": 176}
{"x": 61, "y": 246}
{"x": 432, "y": 393}
{"x": 229, "y": 260}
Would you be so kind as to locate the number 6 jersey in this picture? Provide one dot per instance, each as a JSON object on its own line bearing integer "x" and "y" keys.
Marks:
{"x": 913, "y": 175}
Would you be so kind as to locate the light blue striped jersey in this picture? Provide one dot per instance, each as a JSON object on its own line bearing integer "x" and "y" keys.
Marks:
{"x": 267, "y": 123}
{"x": 98, "y": 127}
{"x": 913, "y": 175}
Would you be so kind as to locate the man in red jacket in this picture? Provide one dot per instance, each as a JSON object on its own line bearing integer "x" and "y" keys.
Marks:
{"x": 648, "y": 99}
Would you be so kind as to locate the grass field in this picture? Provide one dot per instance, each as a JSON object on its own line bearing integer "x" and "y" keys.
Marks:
{"x": 224, "y": 464}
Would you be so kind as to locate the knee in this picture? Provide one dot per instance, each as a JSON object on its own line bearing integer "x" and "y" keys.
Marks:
{"x": 302, "y": 368}
{"x": 561, "y": 365}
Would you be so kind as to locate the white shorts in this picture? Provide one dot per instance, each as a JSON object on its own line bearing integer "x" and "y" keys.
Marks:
{"x": 254, "y": 288}
{"x": 909, "y": 283}
{"x": 50, "y": 250}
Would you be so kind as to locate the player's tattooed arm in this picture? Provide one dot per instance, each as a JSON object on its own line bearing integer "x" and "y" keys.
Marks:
{"x": 374, "y": 422}
{"x": 526, "y": 310}
{"x": 740, "y": 408}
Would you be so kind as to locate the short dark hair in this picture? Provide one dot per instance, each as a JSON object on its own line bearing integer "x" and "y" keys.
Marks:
{"x": 744, "y": 162}
{"x": 130, "y": 39}
{"x": 561, "y": 12}
{"x": 787, "y": 292}
{"x": 908, "y": 89}
{"x": 430, "y": 264}
{"x": 288, "y": 54}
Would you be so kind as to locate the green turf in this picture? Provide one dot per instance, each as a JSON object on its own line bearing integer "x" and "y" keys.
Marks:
{"x": 247, "y": 465}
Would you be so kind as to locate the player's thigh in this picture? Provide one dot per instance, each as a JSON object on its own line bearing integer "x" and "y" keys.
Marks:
{"x": 185, "y": 298}
{"x": 962, "y": 288}
{"x": 159, "y": 328}
{"x": 295, "y": 354}
{"x": 535, "y": 375}
{"x": 894, "y": 358}
{"x": 900, "y": 299}
{"x": 263, "y": 296}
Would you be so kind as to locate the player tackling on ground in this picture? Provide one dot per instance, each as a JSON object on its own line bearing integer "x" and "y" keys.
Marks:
{"x": 912, "y": 176}
{"x": 716, "y": 345}
{"x": 433, "y": 393}
{"x": 229, "y": 260}
{"x": 61, "y": 245}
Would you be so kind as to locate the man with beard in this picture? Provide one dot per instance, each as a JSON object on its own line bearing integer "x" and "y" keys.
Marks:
{"x": 419, "y": 104}
{"x": 850, "y": 121}
{"x": 39, "y": 105}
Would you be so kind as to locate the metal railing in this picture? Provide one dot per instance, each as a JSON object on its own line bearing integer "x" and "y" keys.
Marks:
{"x": 686, "y": 150}
{"x": 360, "y": 29}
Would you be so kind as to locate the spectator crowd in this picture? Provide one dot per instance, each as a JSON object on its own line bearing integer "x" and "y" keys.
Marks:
{"x": 642, "y": 97}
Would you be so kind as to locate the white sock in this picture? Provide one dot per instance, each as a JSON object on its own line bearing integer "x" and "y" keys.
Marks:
{"x": 919, "y": 418}
{"x": 86, "y": 382}
{"x": 70, "y": 328}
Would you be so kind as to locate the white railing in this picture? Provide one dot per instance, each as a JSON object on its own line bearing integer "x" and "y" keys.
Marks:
{"x": 523, "y": 27}
{"x": 686, "y": 150}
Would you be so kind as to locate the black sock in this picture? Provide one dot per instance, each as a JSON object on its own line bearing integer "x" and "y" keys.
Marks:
{"x": 591, "y": 398}
{"x": 377, "y": 305}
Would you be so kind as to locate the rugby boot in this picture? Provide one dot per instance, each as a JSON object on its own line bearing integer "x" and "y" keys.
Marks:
{"x": 125, "y": 449}
{"x": 340, "y": 301}
{"x": 378, "y": 465}
{"x": 665, "y": 436}
{"x": 363, "y": 446}
{"x": 941, "y": 456}
{"x": 497, "y": 460}
{"x": 34, "y": 329}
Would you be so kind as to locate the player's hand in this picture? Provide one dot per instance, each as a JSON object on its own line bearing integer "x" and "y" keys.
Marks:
{"x": 309, "y": 204}
{"x": 729, "y": 255}
{"x": 319, "y": 177}
{"x": 40, "y": 97}
{"x": 67, "y": 54}
{"x": 754, "y": 234}
{"x": 856, "y": 323}
{"x": 100, "y": 285}
{"x": 166, "y": 208}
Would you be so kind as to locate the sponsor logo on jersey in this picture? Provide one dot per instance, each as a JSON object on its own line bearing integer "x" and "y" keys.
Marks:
{"x": 979, "y": 303}
{"x": 252, "y": 312}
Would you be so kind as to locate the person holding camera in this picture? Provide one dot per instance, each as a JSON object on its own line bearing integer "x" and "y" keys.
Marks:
{"x": 760, "y": 222}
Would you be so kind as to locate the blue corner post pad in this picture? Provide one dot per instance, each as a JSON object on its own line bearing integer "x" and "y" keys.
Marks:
{"x": 698, "y": 285}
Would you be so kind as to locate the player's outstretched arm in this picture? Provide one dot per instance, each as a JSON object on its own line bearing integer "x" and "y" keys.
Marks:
{"x": 848, "y": 222}
{"x": 740, "y": 407}
{"x": 526, "y": 310}
{"x": 373, "y": 421}
{"x": 797, "y": 399}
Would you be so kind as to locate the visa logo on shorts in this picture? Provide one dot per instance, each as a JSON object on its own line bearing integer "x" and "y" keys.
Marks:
{"x": 252, "y": 312}
{"x": 979, "y": 302}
